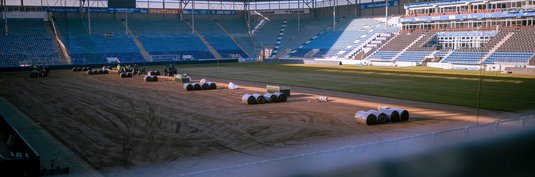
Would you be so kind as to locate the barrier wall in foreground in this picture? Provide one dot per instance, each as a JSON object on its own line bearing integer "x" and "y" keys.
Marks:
{"x": 18, "y": 157}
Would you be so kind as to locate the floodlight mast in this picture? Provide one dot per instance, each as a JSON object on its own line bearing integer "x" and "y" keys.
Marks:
{"x": 193, "y": 16}
{"x": 6, "y": 28}
{"x": 386, "y": 14}
{"x": 298, "y": 15}
{"x": 334, "y": 15}
{"x": 88, "y": 18}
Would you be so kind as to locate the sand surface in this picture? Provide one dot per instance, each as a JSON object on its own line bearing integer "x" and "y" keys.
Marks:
{"x": 128, "y": 127}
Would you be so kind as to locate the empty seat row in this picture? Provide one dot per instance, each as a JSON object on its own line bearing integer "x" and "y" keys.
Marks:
{"x": 28, "y": 42}
{"x": 464, "y": 57}
{"x": 413, "y": 56}
{"x": 509, "y": 57}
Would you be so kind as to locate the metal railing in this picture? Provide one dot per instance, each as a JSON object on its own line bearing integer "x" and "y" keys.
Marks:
{"x": 283, "y": 166}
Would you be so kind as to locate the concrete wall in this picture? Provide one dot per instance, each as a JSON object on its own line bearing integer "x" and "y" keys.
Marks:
{"x": 355, "y": 11}
{"x": 439, "y": 65}
{"x": 530, "y": 71}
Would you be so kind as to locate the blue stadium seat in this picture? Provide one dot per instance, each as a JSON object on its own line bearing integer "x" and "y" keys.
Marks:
{"x": 218, "y": 38}
{"x": 384, "y": 55}
{"x": 94, "y": 48}
{"x": 169, "y": 37}
{"x": 509, "y": 57}
{"x": 470, "y": 58}
{"x": 348, "y": 34}
{"x": 413, "y": 56}
{"x": 29, "y": 42}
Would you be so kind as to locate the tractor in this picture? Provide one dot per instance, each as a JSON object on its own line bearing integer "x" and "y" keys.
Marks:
{"x": 39, "y": 71}
{"x": 169, "y": 70}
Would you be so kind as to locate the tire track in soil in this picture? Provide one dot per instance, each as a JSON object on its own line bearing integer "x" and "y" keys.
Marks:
{"x": 229, "y": 140}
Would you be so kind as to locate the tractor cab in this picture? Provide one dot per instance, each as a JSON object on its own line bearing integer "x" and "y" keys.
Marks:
{"x": 39, "y": 71}
{"x": 170, "y": 70}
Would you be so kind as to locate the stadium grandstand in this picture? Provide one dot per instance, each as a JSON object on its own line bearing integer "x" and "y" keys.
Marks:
{"x": 463, "y": 34}
{"x": 89, "y": 32}
{"x": 444, "y": 34}
{"x": 465, "y": 69}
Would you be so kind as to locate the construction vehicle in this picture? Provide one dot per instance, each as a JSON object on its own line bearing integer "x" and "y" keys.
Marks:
{"x": 39, "y": 71}
{"x": 169, "y": 70}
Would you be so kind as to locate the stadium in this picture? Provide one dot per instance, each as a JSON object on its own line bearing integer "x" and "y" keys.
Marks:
{"x": 267, "y": 88}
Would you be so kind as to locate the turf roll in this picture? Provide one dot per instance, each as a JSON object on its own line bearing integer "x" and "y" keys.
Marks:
{"x": 259, "y": 98}
{"x": 381, "y": 117}
{"x": 212, "y": 85}
{"x": 205, "y": 86}
{"x": 102, "y": 71}
{"x": 281, "y": 97}
{"x": 188, "y": 86}
{"x": 196, "y": 86}
{"x": 391, "y": 115}
{"x": 150, "y": 78}
{"x": 123, "y": 75}
{"x": 248, "y": 99}
{"x": 271, "y": 98}
{"x": 365, "y": 118}
{"x": 403, "y": 113}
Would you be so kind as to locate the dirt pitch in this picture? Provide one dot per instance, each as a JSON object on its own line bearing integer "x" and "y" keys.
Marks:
{"x": 120, "y": 125}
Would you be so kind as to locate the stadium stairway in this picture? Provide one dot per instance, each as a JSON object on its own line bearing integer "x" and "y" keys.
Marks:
{"x": 301, "y": 50}
{"x": 142, "y": 50}
{"x": 233, "y": 38}
{"x": 65, "y": 57}
{"x": 409, "y": 46}
{"x": 239, "y": 30}
{"x": 279, "y": 38}
{"x": 502, "y": 41}
{"x": 376, "y": 40}
{"x": 28, "y": 42}
{"x": 296, "y": 33}
{"x": 446, "y": 55}
{"x": 265, "y": 37}
{"x": 208, "y": 45}
{"x": 376, "y": 49}
{"x": 363, "y": 29}
{"x": 260, "y": 23}
{"x": 107, "y": 39}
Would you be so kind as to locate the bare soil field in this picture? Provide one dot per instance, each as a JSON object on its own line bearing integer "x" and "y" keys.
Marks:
{"x": 119, "y": 125}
